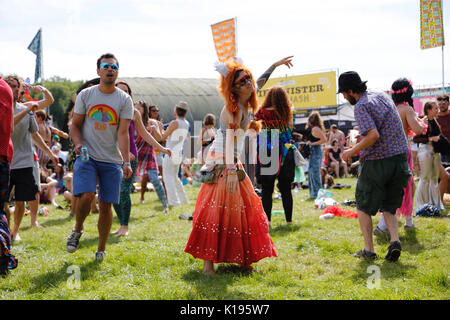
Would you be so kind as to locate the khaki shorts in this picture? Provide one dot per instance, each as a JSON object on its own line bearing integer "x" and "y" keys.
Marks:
{"x": 380, "y": 184}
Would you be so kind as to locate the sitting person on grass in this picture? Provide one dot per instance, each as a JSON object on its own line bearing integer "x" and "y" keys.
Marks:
{"x": 335, "y": 160}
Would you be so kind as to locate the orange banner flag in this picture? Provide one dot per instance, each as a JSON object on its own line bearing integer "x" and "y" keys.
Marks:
{"x": 224, "y": 35}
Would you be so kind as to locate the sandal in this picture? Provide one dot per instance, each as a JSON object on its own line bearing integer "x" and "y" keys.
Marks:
{"x": 365, "y": 254}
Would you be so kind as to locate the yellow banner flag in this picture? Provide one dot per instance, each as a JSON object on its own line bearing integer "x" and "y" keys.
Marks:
{"x": 224, "y": 35}
{"x": 306, "y": 91}
{"x": 431, "y": 24}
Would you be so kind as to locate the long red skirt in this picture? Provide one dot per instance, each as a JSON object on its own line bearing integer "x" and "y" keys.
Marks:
{"x": 407, "y": 205}
{"x": 230, "y": 227}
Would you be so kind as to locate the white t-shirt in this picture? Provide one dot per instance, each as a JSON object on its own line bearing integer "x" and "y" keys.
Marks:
{"x": 102, "y": 115}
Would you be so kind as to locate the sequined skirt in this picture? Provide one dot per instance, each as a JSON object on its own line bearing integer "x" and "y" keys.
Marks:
{"x": 230, "y": 227}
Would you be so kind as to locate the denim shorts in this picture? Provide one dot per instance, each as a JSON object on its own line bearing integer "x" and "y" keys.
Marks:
{"x": 86, "y": 175}
{"x": 380, "y": 184}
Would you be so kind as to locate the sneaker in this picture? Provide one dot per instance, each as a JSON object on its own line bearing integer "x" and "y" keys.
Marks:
{"x": 379, "y": 232}
{"x": 73, "y": 242}
{"x": 408, "y": 227}
{"x": 184, "y": 216}
{"x": 394, "y": 251}
{"x": 365, "y": 254}
{"x": 99, "y": 255}
{"x": 166, "y": 210}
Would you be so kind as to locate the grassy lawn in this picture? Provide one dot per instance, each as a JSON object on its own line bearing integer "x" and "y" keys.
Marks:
{"x": 315, "y": 259}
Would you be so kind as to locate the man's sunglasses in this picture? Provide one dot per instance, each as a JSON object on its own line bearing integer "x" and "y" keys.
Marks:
{"x": 105, "y": 66}
{"x": 243, "y": 81}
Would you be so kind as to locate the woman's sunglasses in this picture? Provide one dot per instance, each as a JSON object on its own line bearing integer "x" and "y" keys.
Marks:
{"x": 243, "y": 81}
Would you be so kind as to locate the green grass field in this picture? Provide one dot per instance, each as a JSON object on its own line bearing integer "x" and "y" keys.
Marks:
{"x": 315, "y": 259}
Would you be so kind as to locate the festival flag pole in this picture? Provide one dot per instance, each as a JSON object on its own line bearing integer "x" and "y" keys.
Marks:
{"x": 432, "y": 28}
{"x": 36, "y": 47}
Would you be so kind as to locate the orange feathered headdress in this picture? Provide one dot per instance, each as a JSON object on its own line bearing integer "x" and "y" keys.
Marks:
{"x": 228, "y": 71}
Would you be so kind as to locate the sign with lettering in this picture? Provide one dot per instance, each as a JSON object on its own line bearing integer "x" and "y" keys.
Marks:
{"x": 306, "y": 91}
{"x": 422, "y": 96}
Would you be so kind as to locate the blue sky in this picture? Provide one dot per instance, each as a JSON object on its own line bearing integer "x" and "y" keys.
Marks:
{"x": 380, "y": 39}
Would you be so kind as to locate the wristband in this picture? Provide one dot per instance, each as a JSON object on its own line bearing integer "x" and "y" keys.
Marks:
{"x": 126, "y": 164}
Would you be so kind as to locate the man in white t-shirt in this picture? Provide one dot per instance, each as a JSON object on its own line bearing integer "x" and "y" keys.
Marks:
{"x": 102, "y": 115}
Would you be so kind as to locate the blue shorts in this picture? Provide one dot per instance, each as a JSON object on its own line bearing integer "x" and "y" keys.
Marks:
{"x": 86, "y": 174}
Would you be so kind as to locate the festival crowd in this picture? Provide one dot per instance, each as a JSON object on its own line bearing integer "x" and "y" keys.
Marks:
{"x": 115, "y": 142}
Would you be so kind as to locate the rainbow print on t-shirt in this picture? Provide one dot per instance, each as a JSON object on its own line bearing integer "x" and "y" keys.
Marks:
{"x": 102, "y": 113}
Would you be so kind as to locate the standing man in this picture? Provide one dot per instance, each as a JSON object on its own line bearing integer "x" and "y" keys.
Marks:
{"x": 101, "y": 119}
{"x": 444, "y": 115}
{"x": 385, "y": 170}
{"x": 21, "y": 177}
{"x": 443, "y": 119}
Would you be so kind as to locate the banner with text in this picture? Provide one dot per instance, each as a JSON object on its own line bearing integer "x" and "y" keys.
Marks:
{"x": 431, "y": 24}
{"x": 306, "y": 91}
{"x": 422, "y": 96}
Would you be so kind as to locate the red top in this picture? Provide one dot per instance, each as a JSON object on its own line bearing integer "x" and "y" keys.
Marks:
{"x": 6, "y": 111}
{"x": 270, "y": 118}
{"x": 444, "y": 122}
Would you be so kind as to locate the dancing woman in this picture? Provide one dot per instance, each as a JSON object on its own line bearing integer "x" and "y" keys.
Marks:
{"x": 147, "y": 163}
{"x": 275, "y": 113}
{"x": 229, "y": 223}
{"x": 123, "y": 209}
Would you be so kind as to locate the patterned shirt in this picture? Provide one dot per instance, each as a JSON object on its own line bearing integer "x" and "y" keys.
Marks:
{"x": 377, "y": 111}
{"x": 146, "y": 156}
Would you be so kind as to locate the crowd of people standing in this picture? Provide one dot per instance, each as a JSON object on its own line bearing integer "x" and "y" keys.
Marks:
{"x": 114, "y": 139}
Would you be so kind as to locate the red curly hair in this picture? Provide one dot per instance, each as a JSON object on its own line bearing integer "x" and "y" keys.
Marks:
{"x": 225, "y": 88}
{"x": 278, "y": 98}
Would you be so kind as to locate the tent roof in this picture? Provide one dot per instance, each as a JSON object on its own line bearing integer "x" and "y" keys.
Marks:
{"x": 200, "y": 94}
{"x": 202, "y": 97}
